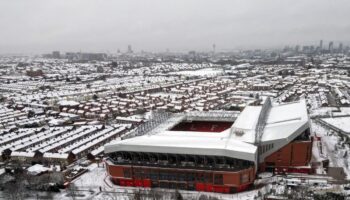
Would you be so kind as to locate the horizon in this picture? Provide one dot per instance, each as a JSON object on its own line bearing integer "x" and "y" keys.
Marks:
{"x": 208, "y": 50}
{"x": 38, "y": 26}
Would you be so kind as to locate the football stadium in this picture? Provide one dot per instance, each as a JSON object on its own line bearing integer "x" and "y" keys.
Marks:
{"x": 216, "y": 151}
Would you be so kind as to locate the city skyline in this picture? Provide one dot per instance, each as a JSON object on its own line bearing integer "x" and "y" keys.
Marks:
{"x": 42, "y": 26}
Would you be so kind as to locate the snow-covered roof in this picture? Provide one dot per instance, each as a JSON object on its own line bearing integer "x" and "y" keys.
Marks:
{"x": 182, "y": 143}
{"x": 68, "y": 103}
{"x": 163, "y": 140}
{"x": 247, "y": 122}
{"x": 284, "y": 122}
{"x": 37, "y": 169}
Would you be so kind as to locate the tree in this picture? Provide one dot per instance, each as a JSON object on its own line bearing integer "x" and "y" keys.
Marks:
{"x": 2, "y": 98}
{"x": 136, "y": 195}
{"x": 155, "y": 194}
{"x": 203, "y": 197}
{"x": 177, "y": 195}
{"x": 329, "y": 196}
{"x": 14, "y": 190}
{"x": 72, "y": 191}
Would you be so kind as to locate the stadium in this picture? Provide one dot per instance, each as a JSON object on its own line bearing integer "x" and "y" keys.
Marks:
{"x": 216, "y": 151}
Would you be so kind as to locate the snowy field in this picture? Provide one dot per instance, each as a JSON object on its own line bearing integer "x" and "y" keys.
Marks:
{"x": 342, "y": 123}
{"x": 334, "y": 147}
{"x": 343, "y": 111}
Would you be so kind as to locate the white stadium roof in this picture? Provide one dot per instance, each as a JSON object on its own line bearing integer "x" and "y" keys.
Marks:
{"x": 284, "y": 123}
{"x": 184, "y": 144}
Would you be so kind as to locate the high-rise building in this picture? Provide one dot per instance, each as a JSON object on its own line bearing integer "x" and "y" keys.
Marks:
{"x": 56, "y": 55}
{"x": 297, "y": 48}
{"x": 305, "y": 49}
{"x": 129, "y": 49}
{"x": 340, "y": 49}
{"x": 312, "y": 48}
{"x": 330, "y": 47}
{"x": 321, "y": 44}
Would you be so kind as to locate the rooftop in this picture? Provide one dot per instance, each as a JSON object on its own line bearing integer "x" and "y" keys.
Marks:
{"x": 285, "y": 121}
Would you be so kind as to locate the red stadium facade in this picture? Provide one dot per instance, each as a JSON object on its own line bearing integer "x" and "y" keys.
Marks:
{"x": 184, "y": 178}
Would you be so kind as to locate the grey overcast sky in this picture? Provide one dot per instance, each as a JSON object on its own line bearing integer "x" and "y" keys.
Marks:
{"x": 37, "y": 26}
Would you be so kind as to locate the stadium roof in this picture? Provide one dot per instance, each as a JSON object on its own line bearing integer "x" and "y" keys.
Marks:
{"x": 181, "y": 143}
{"x": 284, "y": 122}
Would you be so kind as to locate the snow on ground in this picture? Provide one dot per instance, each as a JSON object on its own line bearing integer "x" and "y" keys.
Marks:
{"x": 188, "y": 195}
{"x": 318, "y": 155}
{"x": 91, "y": 182}
{"x": 265, "y": 175}
{"x": 93, "y": 178}
{"x": 328, "y": 111}
{"x": 321, "y": 112}
{"x": 342, "y": 123}
{"x": 333, "y": 147}
{"x": 343, "y": 111}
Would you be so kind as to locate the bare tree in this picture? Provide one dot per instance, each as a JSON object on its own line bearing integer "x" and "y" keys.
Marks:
{"x": 72, "y": 191}
{"x": 203, "y": 197}
{"x": 155, "y": 194}
{"x": 16, "y": 189}
{"x": 136, "y": 195}
{"x": 177, "y": 195}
